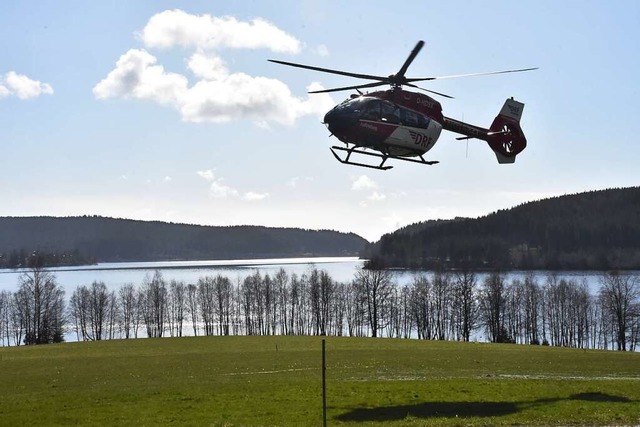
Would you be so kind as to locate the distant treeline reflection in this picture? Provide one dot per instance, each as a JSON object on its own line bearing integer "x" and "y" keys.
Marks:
{"x": 24, "y": 259}
{"x": 435, "y": 306}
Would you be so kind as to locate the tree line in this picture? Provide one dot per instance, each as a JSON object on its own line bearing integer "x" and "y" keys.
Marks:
{"x": 98, "y": 239}
{"x": 597, "y": 230}
{"x": 20, "y": 258}
{"x": 437, "y": 306}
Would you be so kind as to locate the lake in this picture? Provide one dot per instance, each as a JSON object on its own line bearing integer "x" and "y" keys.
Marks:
{"x": 115, "y": 275}
{"x": 341, "y": 269}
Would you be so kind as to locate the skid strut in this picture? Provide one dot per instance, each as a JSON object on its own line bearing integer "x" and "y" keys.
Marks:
{"x": 383, "y": 156}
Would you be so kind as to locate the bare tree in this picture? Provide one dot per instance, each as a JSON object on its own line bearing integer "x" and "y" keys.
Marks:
{"x": 17, "y": 319}
{"x": 620, "y": 296}
{"x": 406, "y": 319}
{"x": 79, "y": 313}
{"x": 493, "y": 304}
{"x": 532, "y": 298}
{"x": 300, "y": 313}
{"x": 339, "y": 309}
{"x": 514, "y": 317}
{"x": 98, "y": 309}
{"x": 192, "y": 306}
{"x": 440, "y": 288}
{"x": 420, "y": 303}
{"x": 252, "y": 304}
{"x": 206, "y": 302}
{"x": 40, "y": 303}
{"x": 223, "y": 303}
{"x": 154, "y": 304}
{"x": 270, "y": 299}
{"x": 5, "y": 298}
{"x": 321, "y": 291}
{"x": 465, "y": 305}
{"x": 281, "y": 283}
{"x": 354, "y": 310}
{"x": 128, "y": 308}
{"x": 375, "y": 286}
{"x": 176, "y": 307}
{"x": 394, "y": 314}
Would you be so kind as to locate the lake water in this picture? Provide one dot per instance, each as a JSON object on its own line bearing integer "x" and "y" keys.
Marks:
{"x": 341, "y": 269}
{"x": 115, "y": 275}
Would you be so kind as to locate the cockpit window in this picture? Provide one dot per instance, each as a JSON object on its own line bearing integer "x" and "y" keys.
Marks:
{"x": 343, "y": 104}
{"x": 390, "y": 113}
{"x": 410, "y": 118}
{"x": 371, "y": 109}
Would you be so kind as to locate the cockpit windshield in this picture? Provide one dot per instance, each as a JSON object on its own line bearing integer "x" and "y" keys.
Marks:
{"x": 375, "y": 109}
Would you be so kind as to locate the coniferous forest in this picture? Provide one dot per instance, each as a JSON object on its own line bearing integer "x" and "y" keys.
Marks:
{"x": 90, "y": 239}
{"x": 597, "y": 230}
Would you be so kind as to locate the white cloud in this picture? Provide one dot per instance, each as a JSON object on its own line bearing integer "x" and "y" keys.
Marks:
{"x": 293, "y": 182}
{"x": 167, "y": 179}
{"x": 22, "y": 86}
{"x": 208, "y": 67}
{"x": 218, "y": 94}
{"x": 254, "y": 197}
{"x": 240, "y": 96}
{"x": 376, "y": 197}
{"x": 322, "y": 50}
{"x": 136, "y": 76}
{"x": 173, "y": 28}
{"x": 219, "y": 190}
{"x": 363, "y": 182}
{"x": 206, "y": 175}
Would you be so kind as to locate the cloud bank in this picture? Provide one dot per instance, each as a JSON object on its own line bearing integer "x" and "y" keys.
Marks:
{"x": 14, "y": 84}
{"x": 217, "y": 94}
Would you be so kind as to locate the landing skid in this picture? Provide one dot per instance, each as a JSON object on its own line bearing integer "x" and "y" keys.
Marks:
{"x": 383, "y": 156}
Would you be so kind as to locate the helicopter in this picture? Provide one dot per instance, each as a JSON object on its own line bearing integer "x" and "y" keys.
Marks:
{"x": 404, "y": 125}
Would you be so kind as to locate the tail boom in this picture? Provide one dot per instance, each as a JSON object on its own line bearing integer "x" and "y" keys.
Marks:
{"x": 505, "y": 136}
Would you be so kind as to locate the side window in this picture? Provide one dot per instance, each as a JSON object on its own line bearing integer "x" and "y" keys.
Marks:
{"x": 371, "y": 110}
{"x": 390, "y": 113}
{"x": 423, "y": 122}
{"x": 410, "y": 118}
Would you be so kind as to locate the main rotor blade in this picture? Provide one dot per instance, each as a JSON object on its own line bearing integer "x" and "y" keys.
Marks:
{"x": 338, "y": 89}
{"x": 410, "y": 59}
{"x": 419, "y": 79}
{"x": 430, "y": 91}
{"x": 327, "y": 70}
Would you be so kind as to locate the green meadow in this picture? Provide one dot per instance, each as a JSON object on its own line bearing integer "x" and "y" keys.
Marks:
{"x": 277, "y": 381}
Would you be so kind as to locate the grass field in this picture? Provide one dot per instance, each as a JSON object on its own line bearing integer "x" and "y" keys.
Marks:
{"x": 276, "y": 381}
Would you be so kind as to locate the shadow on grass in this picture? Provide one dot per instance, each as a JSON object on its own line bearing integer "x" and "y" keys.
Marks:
{"x": 462, "y": 409}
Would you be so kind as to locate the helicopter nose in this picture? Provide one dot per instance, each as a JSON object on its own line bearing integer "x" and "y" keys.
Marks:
{"x": 338, "y": 121}
{"x": 330, "y": 116}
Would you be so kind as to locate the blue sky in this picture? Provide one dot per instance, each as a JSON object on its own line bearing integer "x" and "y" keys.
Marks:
{"x": 169, "y": 111}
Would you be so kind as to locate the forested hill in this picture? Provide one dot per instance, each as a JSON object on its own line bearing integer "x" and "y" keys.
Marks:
{"x": 594, "y": 230}
{"x": 108, "y": 239}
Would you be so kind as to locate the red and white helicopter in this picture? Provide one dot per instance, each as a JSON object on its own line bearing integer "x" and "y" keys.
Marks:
{"x": 404, "y": 125}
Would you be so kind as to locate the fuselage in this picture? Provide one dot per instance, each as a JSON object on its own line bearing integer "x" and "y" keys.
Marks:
{"x": 396, "y": 122}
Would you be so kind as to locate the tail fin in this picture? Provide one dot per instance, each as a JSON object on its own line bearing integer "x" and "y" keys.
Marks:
{"x": 506, "y": 137}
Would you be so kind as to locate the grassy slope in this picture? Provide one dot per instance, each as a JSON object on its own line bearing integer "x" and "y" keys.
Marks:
{"x": 235, "y": 381}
